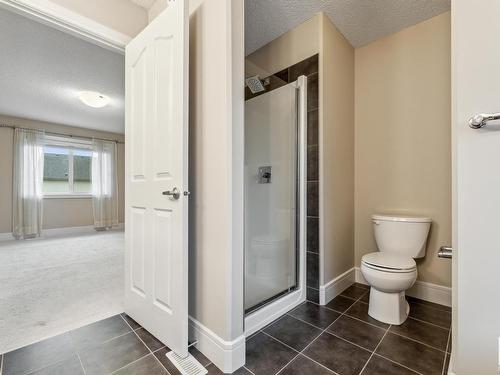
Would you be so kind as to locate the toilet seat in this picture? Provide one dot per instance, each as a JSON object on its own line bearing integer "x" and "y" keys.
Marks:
{"x": 389, "y": 262}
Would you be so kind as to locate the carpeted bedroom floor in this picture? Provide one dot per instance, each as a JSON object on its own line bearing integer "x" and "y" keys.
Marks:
{"x": 49, "y": 286}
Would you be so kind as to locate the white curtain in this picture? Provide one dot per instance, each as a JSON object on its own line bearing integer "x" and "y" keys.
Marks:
{"x": 27, "y": 183}
{"x": 104, "y": 184}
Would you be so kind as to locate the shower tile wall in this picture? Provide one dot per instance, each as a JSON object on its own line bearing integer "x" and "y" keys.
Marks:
{"x": 309, "y": 68}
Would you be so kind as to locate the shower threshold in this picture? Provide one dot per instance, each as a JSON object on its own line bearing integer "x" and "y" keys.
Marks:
{"x": 269, "y": 300}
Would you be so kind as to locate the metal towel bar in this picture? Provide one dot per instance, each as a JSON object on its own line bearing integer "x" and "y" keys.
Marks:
{"x": 445, "y": 252}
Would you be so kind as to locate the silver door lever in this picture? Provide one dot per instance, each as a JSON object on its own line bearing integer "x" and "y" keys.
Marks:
{"x": 175, "y": 193}
{"x": 480, "y": 120}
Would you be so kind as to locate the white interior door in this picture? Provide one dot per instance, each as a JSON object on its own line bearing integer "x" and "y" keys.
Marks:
{"x": 156, "y": 224}
{"x": 476, "y": 220}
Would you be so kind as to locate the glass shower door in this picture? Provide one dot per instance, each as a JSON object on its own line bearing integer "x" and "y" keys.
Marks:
{"x": 270, "y": 196}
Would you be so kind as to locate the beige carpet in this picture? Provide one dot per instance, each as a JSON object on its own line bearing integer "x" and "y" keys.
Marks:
{"x": 49, "y": 286}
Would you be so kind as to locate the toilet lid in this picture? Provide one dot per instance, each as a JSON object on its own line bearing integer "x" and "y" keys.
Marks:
{"x": 389, "y": 261}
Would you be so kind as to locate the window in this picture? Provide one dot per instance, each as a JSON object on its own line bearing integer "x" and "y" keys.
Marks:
{"x": 67, "y": 169}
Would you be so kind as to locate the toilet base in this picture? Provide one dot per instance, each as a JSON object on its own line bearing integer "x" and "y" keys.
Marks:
{"x": 390, "y": 308}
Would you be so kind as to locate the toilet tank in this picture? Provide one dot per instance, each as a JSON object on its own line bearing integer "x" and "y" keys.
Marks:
{"x": 404, "y": 235}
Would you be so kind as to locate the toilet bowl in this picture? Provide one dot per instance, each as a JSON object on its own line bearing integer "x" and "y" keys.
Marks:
{"x": 389, "y": 275}
{"x": 392, "y": 270}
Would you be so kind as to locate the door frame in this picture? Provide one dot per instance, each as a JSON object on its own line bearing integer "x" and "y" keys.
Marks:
{"x": 58, "y": 17}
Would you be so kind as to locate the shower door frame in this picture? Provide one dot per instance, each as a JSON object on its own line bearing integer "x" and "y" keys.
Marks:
{"x": 264, "y": 315}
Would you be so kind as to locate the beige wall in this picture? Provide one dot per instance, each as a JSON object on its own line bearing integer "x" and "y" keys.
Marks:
{"x": 57, "y": 213}
{"x": 120, "y": 15}
{"x": 155, "y": 9}
{"x": 336, "y": 137}
{"x": 403, "y": 135}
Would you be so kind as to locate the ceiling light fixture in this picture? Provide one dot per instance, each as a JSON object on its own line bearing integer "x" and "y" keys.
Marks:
{"x": 93, "y": 99}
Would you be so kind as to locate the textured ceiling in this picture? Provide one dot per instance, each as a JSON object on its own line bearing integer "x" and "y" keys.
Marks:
{"x": 360, "y": 21}
{"x": 42, "y": 70}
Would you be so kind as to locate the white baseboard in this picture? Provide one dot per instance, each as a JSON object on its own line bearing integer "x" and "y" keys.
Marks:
{"x": 450, "y": 365}
{"x": 56, "y": 232}
{"x": 423, "y": 290}
{"x": 336, "y": 286}
{"x": 6, "y": 237}
{"x": 228, "y": 356}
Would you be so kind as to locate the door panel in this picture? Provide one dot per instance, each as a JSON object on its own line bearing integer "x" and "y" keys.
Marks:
{"x": 476, "y": 177}
{"x": 137, "y": 249}
{"x": 163, "y": 259}
{"x": 156, "y": 261}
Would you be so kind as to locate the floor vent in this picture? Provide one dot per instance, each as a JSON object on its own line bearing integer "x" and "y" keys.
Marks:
{"x": 188, "y": 365}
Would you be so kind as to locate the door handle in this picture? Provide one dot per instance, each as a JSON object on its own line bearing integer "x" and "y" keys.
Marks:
{"x": 479, "y": 121}
{"x": 175, "y": 193}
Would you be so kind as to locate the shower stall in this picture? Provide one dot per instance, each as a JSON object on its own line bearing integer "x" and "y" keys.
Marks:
{"x": 275, "y": 203}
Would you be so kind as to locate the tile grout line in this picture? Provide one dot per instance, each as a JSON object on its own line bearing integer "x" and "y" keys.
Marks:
{"x": 147, "y": 347}
{"x": 397, "y": 363}
{"x": 350, "y": 306}
{"x": 77, "y": 350}
{"x": 344, "y": 313}
{"x": 419, "y": 342}
{"x": 338, "y": 312}
{"x": 301, "y": 352}
{"x": 293, "y": 359}
{"x": 417, "y": 301}
{"x": 354, "y": 317}
{"x": 371, "y": 355}
{"x": 51, "y": 364}
{"x": 303, "y": 321}
{"x": 350, "y": 342}
{"x": 426, "y": 322}
{"x": 275, "y": 339}
{"x": 445, "y": 354}
{"x": 387, "y": 331}
{"x": 395, "y": 333}
{"x": 251, "y": 372}
{"x": 79, "y": 359}
{"x": 319, "y": 335}
{"x": 128, "y": 364}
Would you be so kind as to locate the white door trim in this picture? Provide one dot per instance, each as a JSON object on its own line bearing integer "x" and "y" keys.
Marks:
{"x": 54, "y": 15}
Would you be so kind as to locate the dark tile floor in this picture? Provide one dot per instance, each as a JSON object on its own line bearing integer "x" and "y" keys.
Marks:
{"x": 117, "y": 345}
{"x": 339, "y": 338}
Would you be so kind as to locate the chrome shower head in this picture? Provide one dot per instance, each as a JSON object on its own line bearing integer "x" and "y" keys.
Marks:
{"x": 255, "y": 84}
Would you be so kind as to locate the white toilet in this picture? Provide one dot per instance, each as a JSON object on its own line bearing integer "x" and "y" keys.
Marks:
{"x": 392, "y": 270}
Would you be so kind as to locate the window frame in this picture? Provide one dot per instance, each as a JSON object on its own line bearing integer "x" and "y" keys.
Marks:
{"x": 71, "y": 144}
